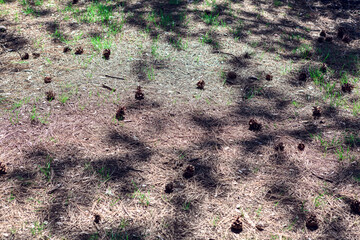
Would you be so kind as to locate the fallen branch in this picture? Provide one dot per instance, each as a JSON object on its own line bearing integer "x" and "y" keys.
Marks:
{"x": 54, "y": 189}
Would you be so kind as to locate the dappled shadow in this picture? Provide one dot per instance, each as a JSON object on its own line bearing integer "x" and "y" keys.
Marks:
{"x": 23, "y": 179}
{"x": 137, "y": 150}
{"x": 208, "y": 123}
{"x": 142, "y": 105}
{"x": 204, "y": 174}
{"x": 335, "y": 229}
{"x": 278, "y": 158}
{"x": 112, "y": 169}
{"x": 348, "y": 173}
{"x": 10, "y": 41}
{"x": 282, "y": 194}
{"x": 333, "y": 55}
{"x": 245, "y": 110}
{"x": 203, "y": 153}
{"x": 301, "y": 134}
{"x": 211, "y": 143}
{"x": 53, "y": 28}
{"x": 254, "y": 144}
{"x": 59, "y": 174}
{"x": 144, "y": 68}
{"x": 130, "y": 233}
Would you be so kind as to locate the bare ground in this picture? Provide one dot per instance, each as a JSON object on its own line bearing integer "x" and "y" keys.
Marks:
{"x": 69, "y": 160}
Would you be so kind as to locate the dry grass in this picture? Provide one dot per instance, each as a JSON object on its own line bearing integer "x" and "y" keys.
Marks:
{"x": 183, "y": 163}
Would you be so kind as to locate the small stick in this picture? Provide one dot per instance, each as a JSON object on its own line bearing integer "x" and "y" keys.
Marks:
{"x": 217, "y": 51}
{"x": 109, "y": 88}
{"x": 54, "y": 188}
{"x": 126, "y": 212}
{"x": 133, "y": 169}
{"x": 194, "y": 159}
{"x": 114, "y": 77}
{"x": 321, "y": 178}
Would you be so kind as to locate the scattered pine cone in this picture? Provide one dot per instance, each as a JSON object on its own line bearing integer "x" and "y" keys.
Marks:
{"x": 201, "y": 84}
{"x": 106, "y": 54}
{"x": 347, "y": 87}
{"x": 25, "y": 56}
{"x": 97, "y": 219}
{"x": 236, "y": 226}
{"x": 120, "y": 113}
{"x": 280, "y": 147}
{"x": 50, "y": 95}
{"x": 346, "y": 39}
{"x": 328, "y": 39}
{"x": 36, "y": 55}
{"x": 302, "y": 77}
{"x": 139, "y": 95}
{"x": 189, "y": 171}
{"x": 323, "y": 33}
{"x": 231, "y": 75}
{"x": 312, "y": 223}
{"x": 79, "y": 51}
{"x": 323, "y": 68}
{"x": 254, "y": 125}
{"x": 301, "y": 146}
{"x": 67, "y": 49}
{"x": 316, "y": 112}
{"x": 269, "y": 77}
{"x": 2, "y": 168}
{"x": 321, "y": 39}
{"x": 341, "y": 32}
{"x": 355, "y": 206}
{"x": 169, "y": 188}
{"x": 47, "y": 80}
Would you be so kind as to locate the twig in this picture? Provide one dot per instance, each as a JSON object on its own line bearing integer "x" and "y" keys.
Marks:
{"x": 133, "y": 169}
{"x": 54, "y": 188}
{"x": 114, "y": 77}
{"x": 126, "y": 212}
{"x": 194, "y": 159}
{"x": 19, "y": 54}
{"x": 322, "y": 178}
{"x": 248, "y": 219}
{"x": 52, "y": 175}
{"x": 217, "y": 51}
{"x": 109, "y": 88}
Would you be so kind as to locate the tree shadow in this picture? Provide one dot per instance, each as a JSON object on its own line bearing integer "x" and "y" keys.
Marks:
{"x": 281, "y": 194}
{"x": 10, "y": 41}
{"x": 138, "y": 151}
{"x": 61, "y": 173}
{"x": 130, "y": 233}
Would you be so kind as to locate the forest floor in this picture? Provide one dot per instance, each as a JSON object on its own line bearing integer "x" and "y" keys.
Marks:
{"x": 268, "y": 149}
